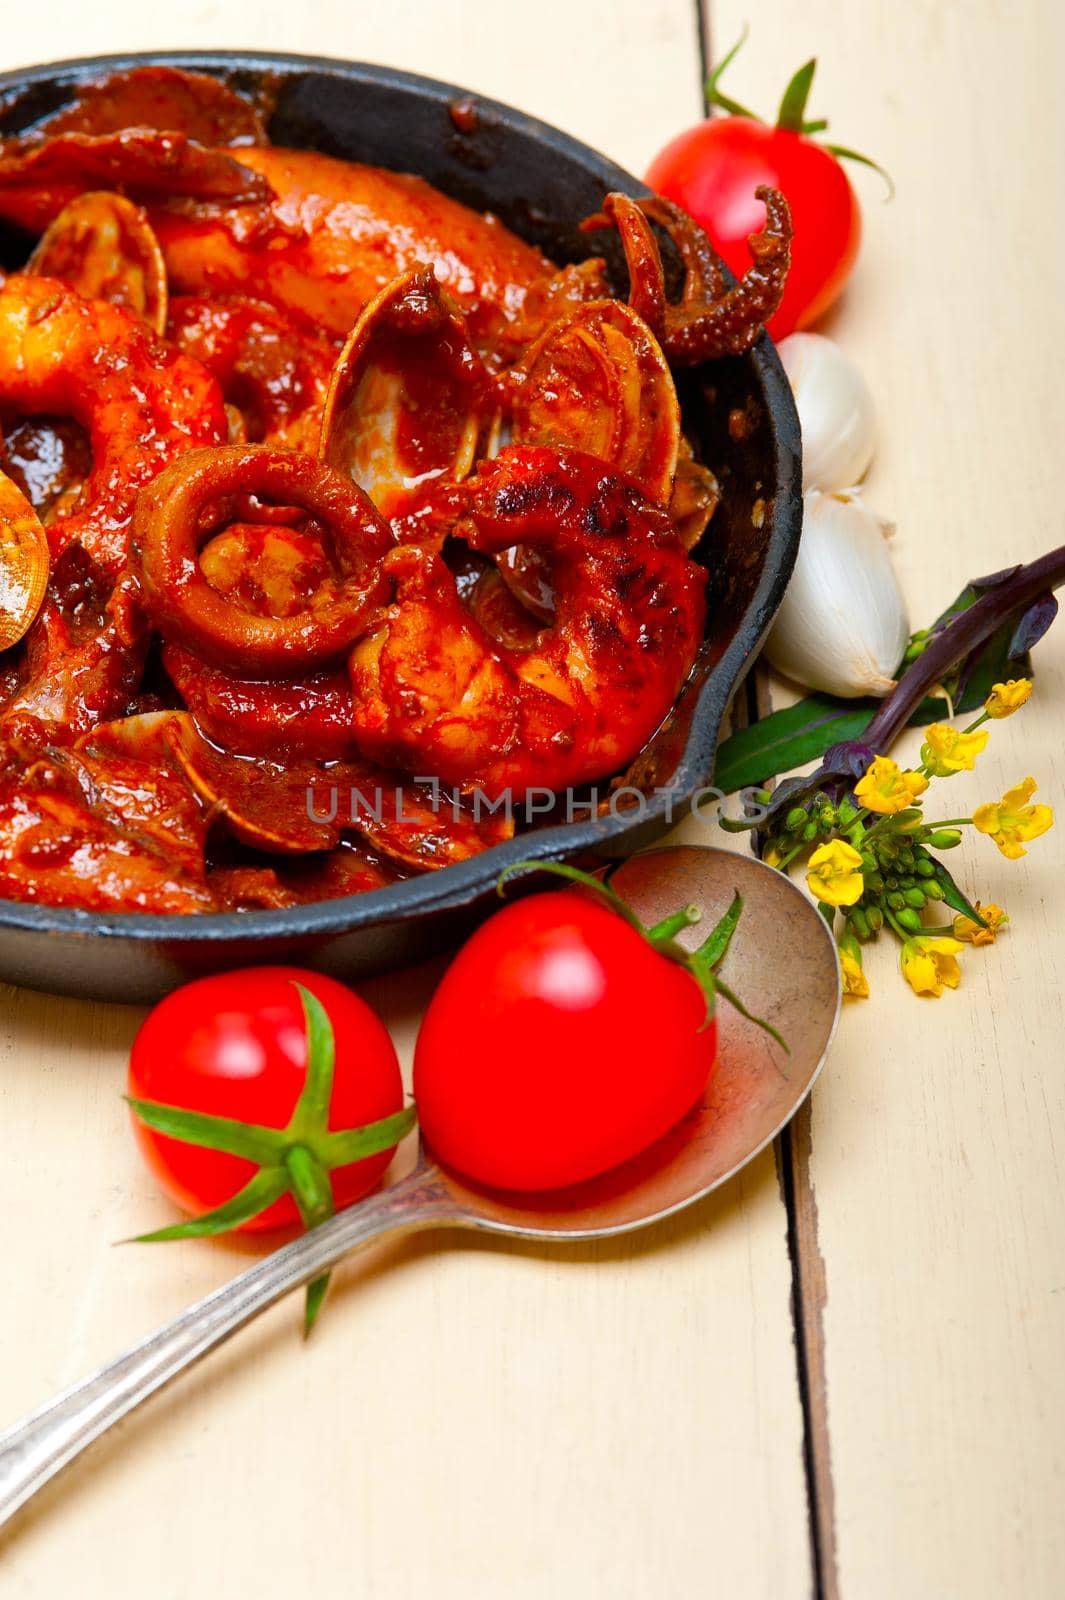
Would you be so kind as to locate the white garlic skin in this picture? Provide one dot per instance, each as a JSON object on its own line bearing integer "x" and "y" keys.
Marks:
{"x": 836, "y": 411}
{"x": 842, "y": 627}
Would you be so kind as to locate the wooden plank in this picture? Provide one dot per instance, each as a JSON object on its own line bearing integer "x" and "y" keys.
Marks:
{"x": 935, "y": 1162}
{"x": 609, "y": 1421}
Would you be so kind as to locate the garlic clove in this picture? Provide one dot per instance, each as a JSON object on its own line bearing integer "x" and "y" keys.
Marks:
{"x": 842, "y": 627}
{"x": 836, "y": 411}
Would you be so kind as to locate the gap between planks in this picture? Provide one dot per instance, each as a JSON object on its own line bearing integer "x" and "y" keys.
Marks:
{"x": 792, "y": 1152}
{"x": 808, "y": 1281}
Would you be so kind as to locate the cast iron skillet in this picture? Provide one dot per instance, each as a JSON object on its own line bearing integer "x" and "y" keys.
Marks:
{"x": 739, "y": 412}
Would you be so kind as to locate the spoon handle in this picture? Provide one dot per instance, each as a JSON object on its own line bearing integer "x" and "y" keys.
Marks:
{"x": 35, "y": 1449}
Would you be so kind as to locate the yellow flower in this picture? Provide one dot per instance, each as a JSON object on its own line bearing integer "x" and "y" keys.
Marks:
{"x": 929, "y": 964}
{"x": 772, "y": 856}
{"x": 947, "y": 750}
{"x": 855, "y": 983}
{"x": 835, "y": 873}
{"x": 1006, "y": 698}
{"x": 970, "y": 932}
{"x": 887, "y": 789}
{"x": 1013, "y": 819}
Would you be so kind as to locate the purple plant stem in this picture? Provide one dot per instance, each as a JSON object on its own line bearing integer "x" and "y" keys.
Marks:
{"x": 955, "y": 641}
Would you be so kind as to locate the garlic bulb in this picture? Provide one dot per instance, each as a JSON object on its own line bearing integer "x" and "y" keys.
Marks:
{"x": 843, "y": 626}
{"x": 835, "y": 411}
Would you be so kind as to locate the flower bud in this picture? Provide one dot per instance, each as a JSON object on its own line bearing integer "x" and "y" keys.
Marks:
{"x": 925, "y": 868}
{"x": 875, "y": 918}
{"x": 934, "y": 891}
{"x": 810, "y": 832}
{"x": 795, "y": 818}
{"x": 909, "y": 919}
{"x": 895, "y": 900}
{"x": 944, "y": 839}
{"x": 859, "y": 922}
{"x": 914, "y": 897}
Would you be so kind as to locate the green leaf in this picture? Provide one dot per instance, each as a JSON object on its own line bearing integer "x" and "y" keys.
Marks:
{"x": 713, "y": 94}
{"x": 355, "y": 1144}
{"x": 311, "y": 1113}
{"x": 953, "y": 897}
{"x": 713, "y": 949}
{"x": 793, "y": 104}
{"x": 787, "y": 739}
{"x": 266, "y": 1187}
{"x": 803, "y": 732}
{"x": 989, "y": 665}
{"x": 264, "y": 1146}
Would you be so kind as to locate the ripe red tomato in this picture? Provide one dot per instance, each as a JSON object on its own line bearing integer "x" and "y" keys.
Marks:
{"x": 558, "y": 1044}
{"x": 713, "y": 170}
{"x": 236, "y": 1046}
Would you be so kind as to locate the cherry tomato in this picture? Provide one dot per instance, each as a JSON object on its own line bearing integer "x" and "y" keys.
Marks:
{"x": 235, "y": 1046}
{"x": 713, "y": 171}
{"x": 558, "y": 1044}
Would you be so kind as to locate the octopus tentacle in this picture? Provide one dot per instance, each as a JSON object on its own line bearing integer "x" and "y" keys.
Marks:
{"x": 712, "y": 318}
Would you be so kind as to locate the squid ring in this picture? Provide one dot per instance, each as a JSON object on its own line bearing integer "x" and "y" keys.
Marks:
{"x": 180, "y": 509}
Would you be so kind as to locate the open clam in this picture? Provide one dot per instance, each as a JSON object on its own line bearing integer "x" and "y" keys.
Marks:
{"x": 103, "y": 246}
{"x": 410, "y": 400}
{"x": 597, "y": 381}
{"x": 24, "y": 563}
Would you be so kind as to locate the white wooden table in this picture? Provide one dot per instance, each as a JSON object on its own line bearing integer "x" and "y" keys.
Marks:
{"x": 844, "y": 1374}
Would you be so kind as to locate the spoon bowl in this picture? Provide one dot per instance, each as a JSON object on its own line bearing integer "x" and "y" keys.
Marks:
{"x": 783, "y": 962}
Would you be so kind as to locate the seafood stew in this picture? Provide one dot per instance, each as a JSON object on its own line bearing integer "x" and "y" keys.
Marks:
{"x": 271, "y": 568}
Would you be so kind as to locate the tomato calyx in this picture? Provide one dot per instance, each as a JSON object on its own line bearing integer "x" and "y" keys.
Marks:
{"x": 702, "y": 963}
{"x": 791, "y": 115}
{"x": 296, "y": 1159}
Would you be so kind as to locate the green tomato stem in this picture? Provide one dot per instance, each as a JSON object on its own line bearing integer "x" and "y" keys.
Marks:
{"x": 661, "y": 936}
{"x": 313, "y": 1194}
{"x": 669, "y": 927}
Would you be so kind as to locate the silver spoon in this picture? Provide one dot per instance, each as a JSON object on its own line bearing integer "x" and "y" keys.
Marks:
{"x": 783, "y": 962}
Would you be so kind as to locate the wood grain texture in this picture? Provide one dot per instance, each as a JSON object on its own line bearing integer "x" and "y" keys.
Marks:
{"x": 607, "y": 1422}
{"x": 936, "y": 1151}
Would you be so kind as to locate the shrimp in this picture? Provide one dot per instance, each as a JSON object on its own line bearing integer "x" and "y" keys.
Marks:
{"x": 313, "y": 235}
{"x": 433, "y": 691}
{"x": 337, "y": 232}
{"x": 142, "y": 403}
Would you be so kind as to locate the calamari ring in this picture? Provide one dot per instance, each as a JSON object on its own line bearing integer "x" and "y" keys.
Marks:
{"x": 178, "y": 512}
{"x": 141, "y": 402}
{"x": 434, "y": 691}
